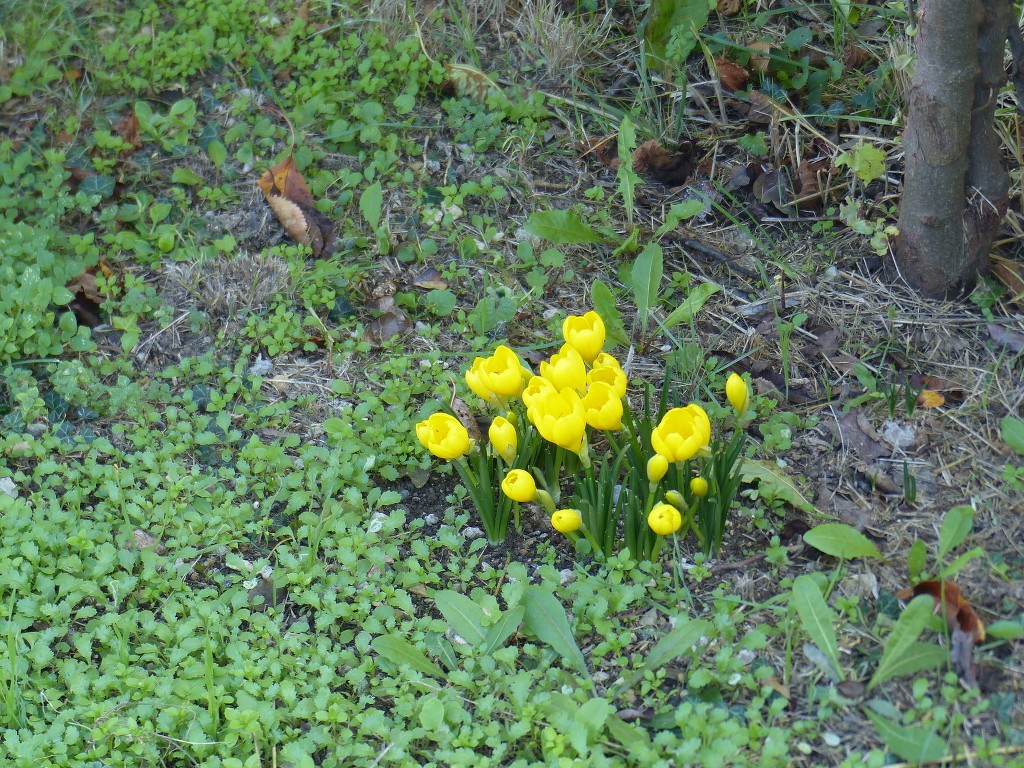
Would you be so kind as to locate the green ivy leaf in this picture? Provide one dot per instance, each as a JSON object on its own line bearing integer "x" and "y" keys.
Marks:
{"x": 842, "y": 541}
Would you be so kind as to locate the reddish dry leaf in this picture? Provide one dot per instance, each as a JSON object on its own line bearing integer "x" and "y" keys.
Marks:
{"x": 655, "y": 162}
{"x": 289, "y": 197}
{"x": 729, "y": 7}
{"x": 650, "y": 159}
{"x": 128, "y": 130}
{"x": 965, "y": 627}
{"x": 284, "y": 179}
{"x": 87, "y": 296}
{"x": 732, "y": 76}
{"x": 1010, "y": 274}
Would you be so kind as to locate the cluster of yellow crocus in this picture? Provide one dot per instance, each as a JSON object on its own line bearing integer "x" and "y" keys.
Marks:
{"x": 682, "y": 434}
{"x": 580, "y": 387}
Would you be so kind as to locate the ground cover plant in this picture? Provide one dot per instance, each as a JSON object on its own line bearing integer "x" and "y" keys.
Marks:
{"x": 492, "y": 382}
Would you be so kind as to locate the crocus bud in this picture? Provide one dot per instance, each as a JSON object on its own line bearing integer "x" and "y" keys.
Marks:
{"x": 657, "y": 466}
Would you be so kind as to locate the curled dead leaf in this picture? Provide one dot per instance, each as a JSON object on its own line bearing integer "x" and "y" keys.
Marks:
{"x": 288, "y": 196}
{"x": 775, "y": 188}
{"x": 854, "y": 56}
{"x": 1011, "y": 274}
{"x": 284, "y": 179}
{"x": 430, "y": 279}
{"x": 465, "y": 415}
{"x": 672, "y": 169}
{"x": 729, "y": 7}
{"x": 732, "y": 76}
{"x": 387, "y": 326}
{"x": 141, "y": 540}
{"x": 759, "y": 58}
{"x": 965, "y": 628}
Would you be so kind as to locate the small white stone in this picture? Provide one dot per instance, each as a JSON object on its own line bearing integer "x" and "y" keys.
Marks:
{"x": 566, "y": 576}
{"x": 8, "y": 487}
{"x": 430, "y": 519}
{"x": 831, "y": 739}
{"x": 472, "y": 532}
{"x": 745, "y": 656}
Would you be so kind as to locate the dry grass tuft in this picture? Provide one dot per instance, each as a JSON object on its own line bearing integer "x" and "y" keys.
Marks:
{"x": 223, "y": 288}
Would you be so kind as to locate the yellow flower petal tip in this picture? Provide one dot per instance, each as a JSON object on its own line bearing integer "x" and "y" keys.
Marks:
{"x": 444, "y": 436}
{"x": 699, "y": 487}
{"x": 664, "y": 519}
{"x": 520, "y": 486}
{"x": 566, "y": 520}
{"x": 737, "y": 392}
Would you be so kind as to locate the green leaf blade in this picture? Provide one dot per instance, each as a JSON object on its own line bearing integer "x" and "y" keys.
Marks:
{"x": 689, "y": 307}
{"x": 462, "y": 614}
{"x": 817, "y": 618}
{"x": 562, "y": 227}
{"x": 842, "y": 541}
{"x": 645, "y": 278}
{"x": 903, "y": 638}
{"x": 404, "y": 654}
{"x": 545, "y": 617}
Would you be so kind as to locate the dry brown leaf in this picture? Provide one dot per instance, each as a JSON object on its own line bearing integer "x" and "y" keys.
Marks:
{"x": 759, "y": 60}
{"x": 854, "y": 56}
{"x": 672, "y": 169}
{"x": 141, "y": 540}
{"x": 729, "y": 7}
{"x": 289, "y": 197}
{"x": 292, "y": 219}
{"x": 929, "y": 398}
{"x": 128, "y": 130}
{"x": 1010, "y": 274}
{"x": 732, "y": 76}
{"x": 430, "y": 279}
{"x": 465, "y": 415}
{"x": 603, "y": 148}
{"x": 284, "y": 179}
{"x": 387, "y": 326}
{"x": 952, "y": 391}
{"x": 774, "y": 187}
{"x": 88, "y": 299}
{"x": 1004, "y": 337}
{"x": 467, "y": 82}
{"x": 964, "y": 626}
{"x": 850, "y": 428}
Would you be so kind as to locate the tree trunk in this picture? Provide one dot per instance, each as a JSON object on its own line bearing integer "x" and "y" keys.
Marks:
{"x": 955, "y": 189}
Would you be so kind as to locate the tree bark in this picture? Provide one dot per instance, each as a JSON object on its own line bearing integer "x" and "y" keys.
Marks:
{"x": 955, "y": 187}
